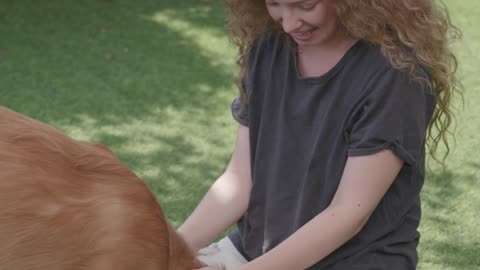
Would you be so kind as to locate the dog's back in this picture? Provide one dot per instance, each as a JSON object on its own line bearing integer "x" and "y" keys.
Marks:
{"x": 72, "y": 205}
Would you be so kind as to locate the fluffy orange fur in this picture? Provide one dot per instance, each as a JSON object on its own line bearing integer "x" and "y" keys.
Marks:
{"x": 66, "y": 204}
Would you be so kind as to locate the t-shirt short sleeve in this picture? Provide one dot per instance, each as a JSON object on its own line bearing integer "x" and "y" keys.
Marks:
{"x": 240, "y": 112}
{"x": 393, "y": 113}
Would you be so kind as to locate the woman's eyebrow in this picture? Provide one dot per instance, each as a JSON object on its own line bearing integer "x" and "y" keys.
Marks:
{"x": 294, "y": 3}
{"x": 303, "y": 1}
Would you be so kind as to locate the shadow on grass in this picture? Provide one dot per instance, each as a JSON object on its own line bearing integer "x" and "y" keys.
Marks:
{"x": 104, "y": 60}
{"x": 180, "y": 182}
{"x": 65, "y": 58}
{"x": 455, "y": 245}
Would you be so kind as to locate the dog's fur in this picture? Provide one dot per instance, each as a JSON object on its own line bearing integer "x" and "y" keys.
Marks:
{"x": 66, "y": 204}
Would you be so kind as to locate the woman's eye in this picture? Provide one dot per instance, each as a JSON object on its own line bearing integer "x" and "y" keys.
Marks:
{"x": 307, "y": 7}
{"x": 272, "y": 4}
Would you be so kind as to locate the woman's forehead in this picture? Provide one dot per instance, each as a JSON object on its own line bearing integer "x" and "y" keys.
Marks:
{"x": 290, "y": 2}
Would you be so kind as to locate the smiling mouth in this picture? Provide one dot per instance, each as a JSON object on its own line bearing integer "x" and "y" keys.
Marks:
{"x": 303, "y": 35}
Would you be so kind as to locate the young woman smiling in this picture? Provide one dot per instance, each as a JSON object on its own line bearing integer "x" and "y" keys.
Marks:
{"x": 337, "y": 101}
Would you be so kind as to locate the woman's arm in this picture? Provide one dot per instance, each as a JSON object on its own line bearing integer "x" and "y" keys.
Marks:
{"x": 364, "y": 182}
{"x": 225, "y": 202}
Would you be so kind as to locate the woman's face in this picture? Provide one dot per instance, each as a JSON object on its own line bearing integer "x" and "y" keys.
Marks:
{"x": 308, "y": 22}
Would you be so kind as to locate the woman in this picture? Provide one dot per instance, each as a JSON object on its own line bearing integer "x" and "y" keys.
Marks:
{"x": 337, "y": 101}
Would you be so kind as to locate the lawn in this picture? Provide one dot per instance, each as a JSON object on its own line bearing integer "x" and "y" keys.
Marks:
{"x": 154, "y": 82}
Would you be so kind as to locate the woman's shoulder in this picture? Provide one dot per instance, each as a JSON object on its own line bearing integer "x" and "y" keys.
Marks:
{"x": 266, "y": 49}
{"x": 378, "y": 61}
{"x": 269, "y": 38}
{"x": 369, "y": 57}
{"x": 373, "y": 63}
{"x": 270, "y": 42}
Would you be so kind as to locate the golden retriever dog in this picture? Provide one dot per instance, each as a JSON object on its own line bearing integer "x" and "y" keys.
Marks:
{"x": 70, "y": 205}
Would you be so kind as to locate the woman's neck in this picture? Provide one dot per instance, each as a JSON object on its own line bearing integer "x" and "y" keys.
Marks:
{"x": 314, "y": 61}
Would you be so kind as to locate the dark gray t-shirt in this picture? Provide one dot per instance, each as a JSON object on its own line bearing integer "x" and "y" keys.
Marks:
{"x": 303, "y": 130}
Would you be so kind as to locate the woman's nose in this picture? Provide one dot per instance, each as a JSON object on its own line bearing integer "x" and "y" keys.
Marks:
{"x": 290, "y": 22}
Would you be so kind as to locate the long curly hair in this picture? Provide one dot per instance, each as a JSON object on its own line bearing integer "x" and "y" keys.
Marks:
{"x": 398, "y": 28}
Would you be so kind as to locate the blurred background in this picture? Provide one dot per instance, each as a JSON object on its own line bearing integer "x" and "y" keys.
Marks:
{"x": 153, "y": 80}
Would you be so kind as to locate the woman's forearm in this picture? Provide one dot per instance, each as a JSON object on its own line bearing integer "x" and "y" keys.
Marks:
{"x": 364, "y": 182}
{"x": 221, "y": 207}
{"x": 312, "y": 242}
{"x": 226, "y": 201}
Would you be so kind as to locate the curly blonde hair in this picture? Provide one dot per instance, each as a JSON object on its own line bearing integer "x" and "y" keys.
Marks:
{"x": 398, "y": 28}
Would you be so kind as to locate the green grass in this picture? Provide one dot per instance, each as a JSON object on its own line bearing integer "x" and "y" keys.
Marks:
{"x": 153, "y": 80}
{"x": 451, "y": 199}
